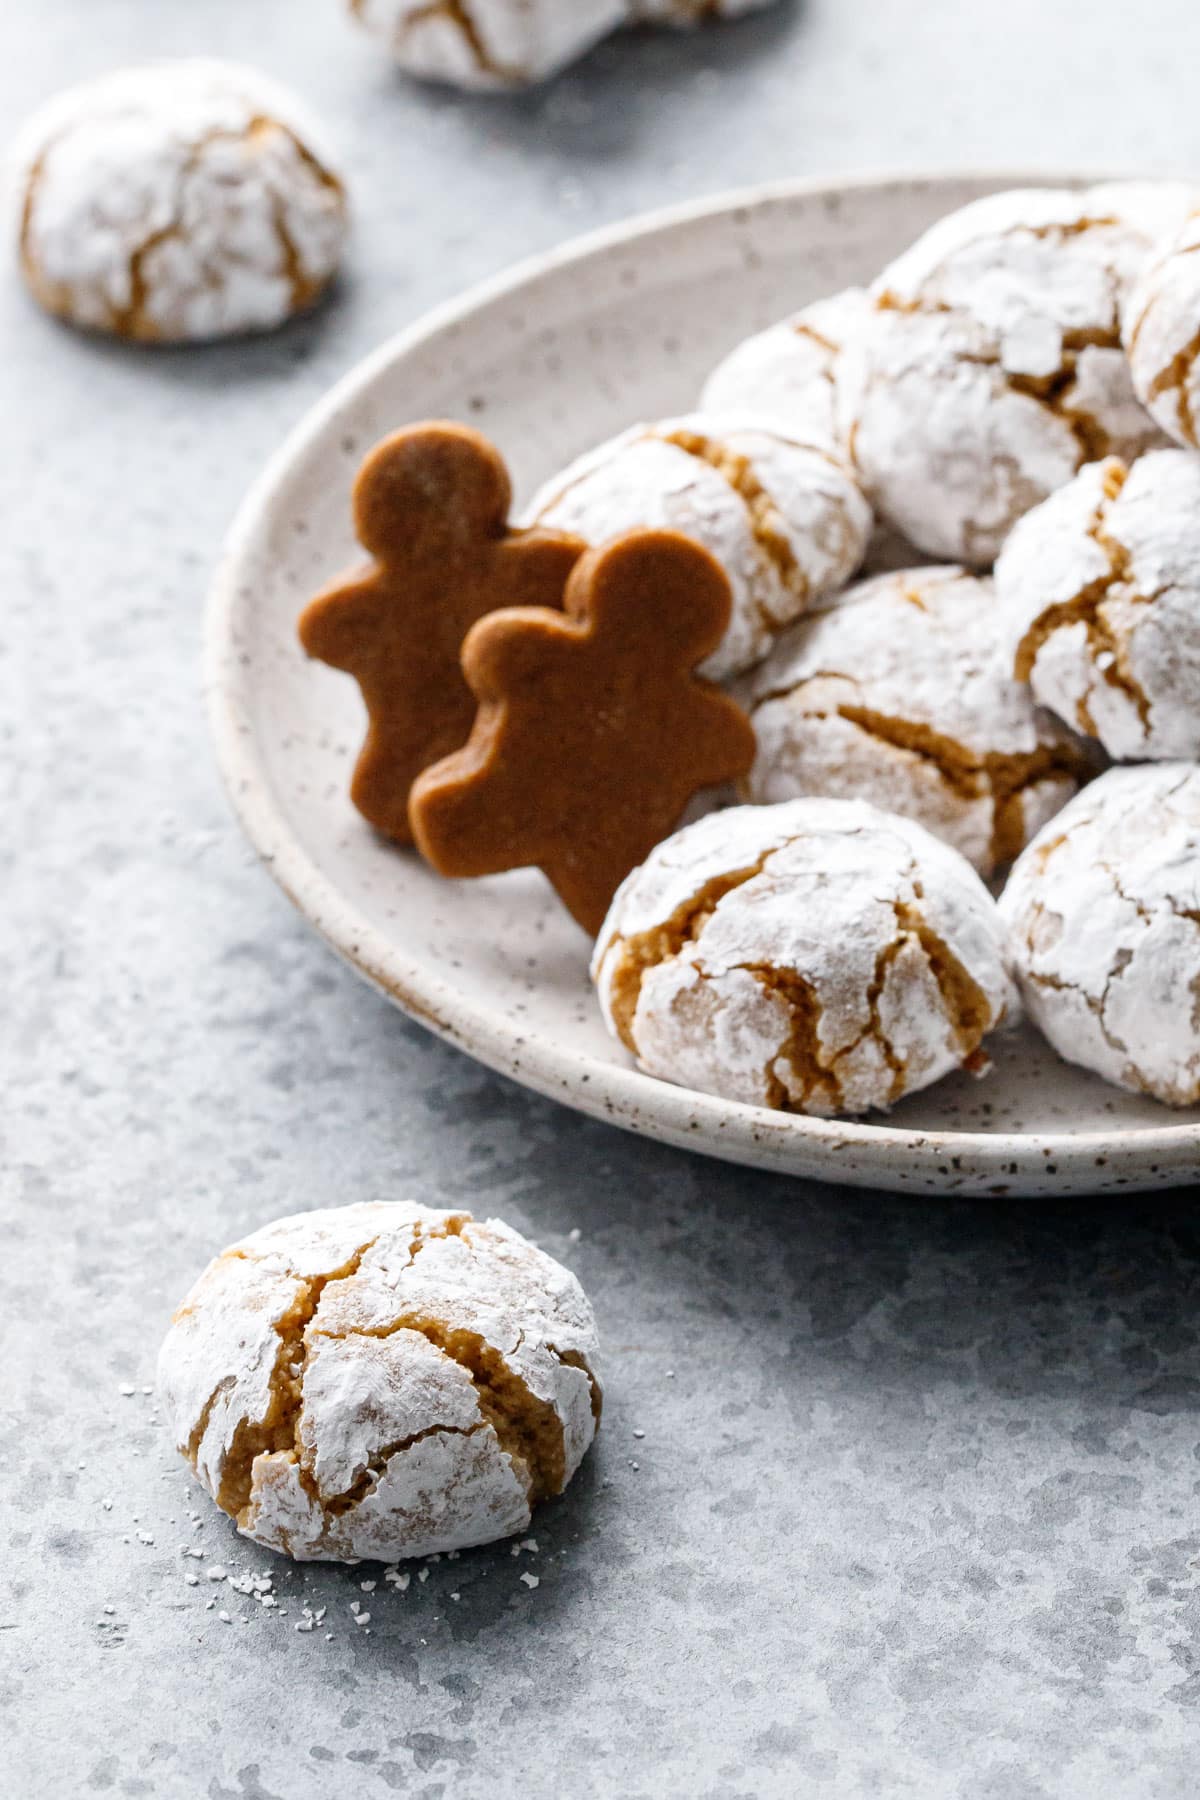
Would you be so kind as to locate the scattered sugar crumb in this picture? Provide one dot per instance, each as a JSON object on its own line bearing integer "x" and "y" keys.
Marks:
{"x": 531, "y": 1581}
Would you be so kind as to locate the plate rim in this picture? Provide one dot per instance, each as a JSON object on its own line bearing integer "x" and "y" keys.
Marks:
{"x": 621, "y": 1095}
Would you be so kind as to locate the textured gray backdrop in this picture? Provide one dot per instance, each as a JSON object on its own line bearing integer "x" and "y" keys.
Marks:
{"x": 914, "y": 1512}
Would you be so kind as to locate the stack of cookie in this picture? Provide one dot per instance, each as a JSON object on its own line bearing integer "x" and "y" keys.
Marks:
{"x": 999, "y": 439}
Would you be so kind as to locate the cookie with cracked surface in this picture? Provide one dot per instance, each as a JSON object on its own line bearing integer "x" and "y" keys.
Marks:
{"x": 819, "y": 956}
{"x": 990, "y": 366}
{"x": 1099, "y": 591}
{"x": 683, "y": 14}
{"x": 1161, "y": 332}
{"x": 487, "y": 44}
{"x": 785, "y": 519}
{"x": 788, "y": 373}
{"x": 381, "y": 1380}
{"x": 1103, "y": 916}
{"x": 176, "y": 201}
{"x": 431, "y": 506}
{"x": 901, "y": 692}
{"x": 593, "y": 730}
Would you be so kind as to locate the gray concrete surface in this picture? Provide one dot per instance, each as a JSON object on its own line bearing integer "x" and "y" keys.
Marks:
{"x": 915, "y": 1509}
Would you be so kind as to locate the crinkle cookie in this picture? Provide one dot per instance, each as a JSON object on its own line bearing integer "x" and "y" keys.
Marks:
{"x": 1162, "y": 334}
{"x": 488, "y": 43}
{"x": 684, "y": 13}
{"x": 175, "y": 201}
{"x": 900, "y": 692}
{"x": 1100, "y": 595}
{"x": 785, "y": 519}
{"x": 787, "y": 373}
{"x": 820, "y": 956}
{"x": 990, "y": 366}
{"x": 1103, "y": 915}
{"x": 381, "y": 1380}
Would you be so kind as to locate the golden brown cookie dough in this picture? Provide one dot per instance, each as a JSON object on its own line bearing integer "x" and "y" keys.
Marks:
{"x": 593, "y": 730}
{"x": 431, "y": 506}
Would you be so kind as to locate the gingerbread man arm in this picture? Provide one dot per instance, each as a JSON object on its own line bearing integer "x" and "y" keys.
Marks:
{"x": 333, "y": 627}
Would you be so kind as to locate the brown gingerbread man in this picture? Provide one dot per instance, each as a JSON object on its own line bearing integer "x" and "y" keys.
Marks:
{"x": 593, "y": 730}
{"x": 431, "y": 507}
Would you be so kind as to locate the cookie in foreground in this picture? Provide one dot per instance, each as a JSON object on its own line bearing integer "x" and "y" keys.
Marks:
{"x": 381, "y": 1380}
{"x": 818, "y": 956}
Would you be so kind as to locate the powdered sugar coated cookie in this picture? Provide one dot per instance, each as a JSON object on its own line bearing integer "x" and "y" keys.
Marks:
{"x": 819, "y": 956}
{"x": 788, "y": 373}
{"x": 901, "y": 692}
{"x": 990, "y": 367}
{"x": 785, "y": 519}
{"x": 684, "y": 13}
{"x": 381, "y": 1380}
{"x": 488, "y": 43}
{"x": 176, "y": 201}
{"x": 1103, "y": 914}
{"x": 1100, "y": 596}
{"x": 1162, "y": 334}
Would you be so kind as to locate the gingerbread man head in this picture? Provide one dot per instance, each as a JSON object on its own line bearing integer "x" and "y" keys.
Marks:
{"x": 431, "y": 507}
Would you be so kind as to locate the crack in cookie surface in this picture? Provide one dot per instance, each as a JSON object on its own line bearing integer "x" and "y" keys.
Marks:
{"x": 1003, "y": 777}
{"x": 1176, "y": 378}
{"x": 458, "y": 14}
{"x": 767, "y": 527}
{"x": 529, "y": 1429}
{"x": 1108, "y": 650}
{"x": 645, "y": 950}
{"x": 278, "y": 1429}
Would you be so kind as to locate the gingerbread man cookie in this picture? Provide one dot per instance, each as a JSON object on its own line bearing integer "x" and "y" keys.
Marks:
{"x": 431, "y": 507}
{"x": 593, "y": 730}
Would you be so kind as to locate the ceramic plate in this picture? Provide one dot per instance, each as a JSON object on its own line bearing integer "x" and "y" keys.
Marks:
{"x": 549, "y": 360}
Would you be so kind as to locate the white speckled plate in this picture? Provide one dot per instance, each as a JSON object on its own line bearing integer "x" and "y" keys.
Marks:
{"x": 549, "y": 360}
